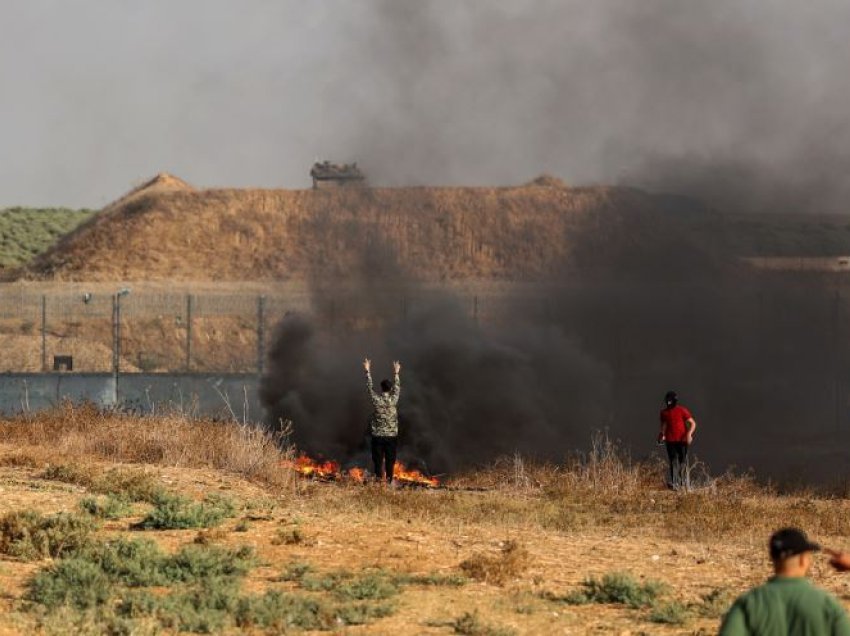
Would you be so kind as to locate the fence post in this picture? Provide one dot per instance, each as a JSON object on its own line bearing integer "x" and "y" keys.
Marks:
{"x": 189, "y": 308}
{"x": 115, "y": 334}
{"x": 261, "y": 334}
{"x": 44, "y": 333}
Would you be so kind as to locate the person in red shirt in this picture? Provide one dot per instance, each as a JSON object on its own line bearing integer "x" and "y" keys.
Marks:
{"x": 677, "y": 433}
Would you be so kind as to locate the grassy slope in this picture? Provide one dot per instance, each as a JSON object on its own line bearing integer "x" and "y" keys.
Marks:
{"x": 27, "y": 232}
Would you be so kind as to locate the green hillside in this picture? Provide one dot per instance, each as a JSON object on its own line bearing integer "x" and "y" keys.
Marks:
{"x": 27, "y": 232}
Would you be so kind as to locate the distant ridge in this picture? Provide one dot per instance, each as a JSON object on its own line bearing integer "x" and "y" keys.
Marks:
{"x": 165, "y": 229}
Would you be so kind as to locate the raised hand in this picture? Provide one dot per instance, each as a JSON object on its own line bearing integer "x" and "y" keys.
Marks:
{"x": 367, "y": 364}
{"x": 396, "y": 367}
{"x": 839, "y": 560}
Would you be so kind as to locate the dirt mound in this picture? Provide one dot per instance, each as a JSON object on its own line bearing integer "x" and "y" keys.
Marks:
{"x": 166, "y": 230}
{"x": 161, "y": 183}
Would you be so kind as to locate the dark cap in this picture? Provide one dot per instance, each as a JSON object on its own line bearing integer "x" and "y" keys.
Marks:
{"x": 788, "y": 542}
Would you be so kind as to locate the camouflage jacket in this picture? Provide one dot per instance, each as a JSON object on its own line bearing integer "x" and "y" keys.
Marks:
{"x": 384, "y": 419}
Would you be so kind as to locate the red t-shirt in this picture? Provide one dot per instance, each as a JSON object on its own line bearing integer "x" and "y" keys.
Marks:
{"x": 674, "y": 420}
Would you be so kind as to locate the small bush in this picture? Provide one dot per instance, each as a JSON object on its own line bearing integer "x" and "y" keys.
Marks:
{"x": 617, "y": 587}
{"x": 242, "y": 526}
{"x": 295, "y": 571}
{"x": 291, "y": 536}
{"x": 511, "y": 561}
{"x": 30, "y": 535}
{"x": 716, "y": 602}
{"x": 673, "y": 613}
{"x": 433, "y": 578}
{"x": 173, "y": 512}
{"x": 75, "y": 582}
{"x": 131, "y": 484}
{"x": 70, "y": 474}
{"x": 110, "y": 507}
{"x": 469, "y": 624}
{"x": 372, "y": 586}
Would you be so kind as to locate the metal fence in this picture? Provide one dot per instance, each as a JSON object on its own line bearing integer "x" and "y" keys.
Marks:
{"x": 159, "y": 331}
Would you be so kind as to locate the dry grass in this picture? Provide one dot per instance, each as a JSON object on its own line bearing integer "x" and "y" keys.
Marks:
{"x": 84, "y": 432}
{"x": 530, "y": 538}
{"x": 511, "y": 561}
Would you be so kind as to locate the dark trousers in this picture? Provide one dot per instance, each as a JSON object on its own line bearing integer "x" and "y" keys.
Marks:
{"x": 383, "y": 452}
{"x": 677, "y": 454}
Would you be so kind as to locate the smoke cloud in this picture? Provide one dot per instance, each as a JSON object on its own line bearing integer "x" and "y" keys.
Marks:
{"x": 740, "y": 102}
{"x": 762, "y": 361}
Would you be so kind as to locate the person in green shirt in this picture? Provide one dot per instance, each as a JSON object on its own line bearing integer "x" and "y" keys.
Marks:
{"x": 787, "y": 604}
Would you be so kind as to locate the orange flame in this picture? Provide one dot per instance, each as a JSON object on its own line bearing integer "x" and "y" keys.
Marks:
{"x": 311, "y": 468}
{"x": 330, "y": 471}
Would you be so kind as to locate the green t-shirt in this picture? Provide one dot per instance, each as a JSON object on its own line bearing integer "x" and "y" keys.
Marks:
{"x": 786, "y": 607}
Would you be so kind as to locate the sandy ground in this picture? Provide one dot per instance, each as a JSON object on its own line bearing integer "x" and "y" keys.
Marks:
{"x": 343, "y": 533}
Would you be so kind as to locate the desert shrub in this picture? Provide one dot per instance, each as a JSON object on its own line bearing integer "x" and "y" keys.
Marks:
{"x": 716, "y": 602}
{"x": 205, "y": 608}
{"x": 433, "y": 578}
{"x": 672, "y": 613}
{"x": 371, "y": 586}
{"x": 292, "y": 536}
{"x": 174, "y": 512}
{"x": 132, "y": 484}
{"x": 509, "y": 563}
{"x": 617, "y": 587}
{"x": 109, "y": 507}
{"x": 76, "y": 582}
{"x": 242, "y": 526}
{"x": 70, "y": 474}
{"x": 31, "y": 535}
{"x": 470, "y": 624}
{"x": 195, "y": 562}
{"x": 295, "y": 571}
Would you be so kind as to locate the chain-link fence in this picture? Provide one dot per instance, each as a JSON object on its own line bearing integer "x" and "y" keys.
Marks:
{"x": 158, "y": 331}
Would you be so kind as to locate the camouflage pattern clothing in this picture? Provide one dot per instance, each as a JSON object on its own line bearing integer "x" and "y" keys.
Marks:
{"x": 384, "y": 419}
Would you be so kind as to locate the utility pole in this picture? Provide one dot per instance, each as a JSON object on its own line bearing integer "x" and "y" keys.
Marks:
{"x": 115, "y": 335}
{"x": 189, "y": 308}
{"x": 261, "y": 334}
{"x": 44, "y": 333}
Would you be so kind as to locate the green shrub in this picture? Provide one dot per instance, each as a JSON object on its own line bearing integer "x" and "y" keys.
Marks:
{"x": 295, "y": 571}
{"x": 70, "y": 474}
{"x": 131, "y": 484}
{"x": 673, "y": 613}
{"x": 109, "y": 507}
{"x": 174, "y": 512}
{"x": 372, "y": 586}
{"x": 31, "y": 535}
{"x": 432, "y": 578}
{"x": 76, "y": 582}
{"x": 716, "y": 602}
{"x": 617, "y": 587}
{"x": 126, "y": 483}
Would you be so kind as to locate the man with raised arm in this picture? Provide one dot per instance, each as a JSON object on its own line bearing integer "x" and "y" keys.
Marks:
{"x": 788, "y": 603}
{"x": 383, "y": 423}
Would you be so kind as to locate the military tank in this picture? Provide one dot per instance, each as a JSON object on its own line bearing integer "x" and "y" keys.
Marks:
{"x": 337, "y": 174}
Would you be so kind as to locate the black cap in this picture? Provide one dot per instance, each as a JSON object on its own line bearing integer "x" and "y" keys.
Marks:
{"x": 788, "y": 542}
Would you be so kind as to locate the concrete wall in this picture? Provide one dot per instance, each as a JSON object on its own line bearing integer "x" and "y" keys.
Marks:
{"x": 218, "y": 395}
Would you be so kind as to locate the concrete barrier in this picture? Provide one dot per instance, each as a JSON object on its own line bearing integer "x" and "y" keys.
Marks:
{"x": 219, "y": 395}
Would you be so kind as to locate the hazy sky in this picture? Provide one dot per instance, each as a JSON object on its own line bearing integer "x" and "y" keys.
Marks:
{"x": 743, "y": 100}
